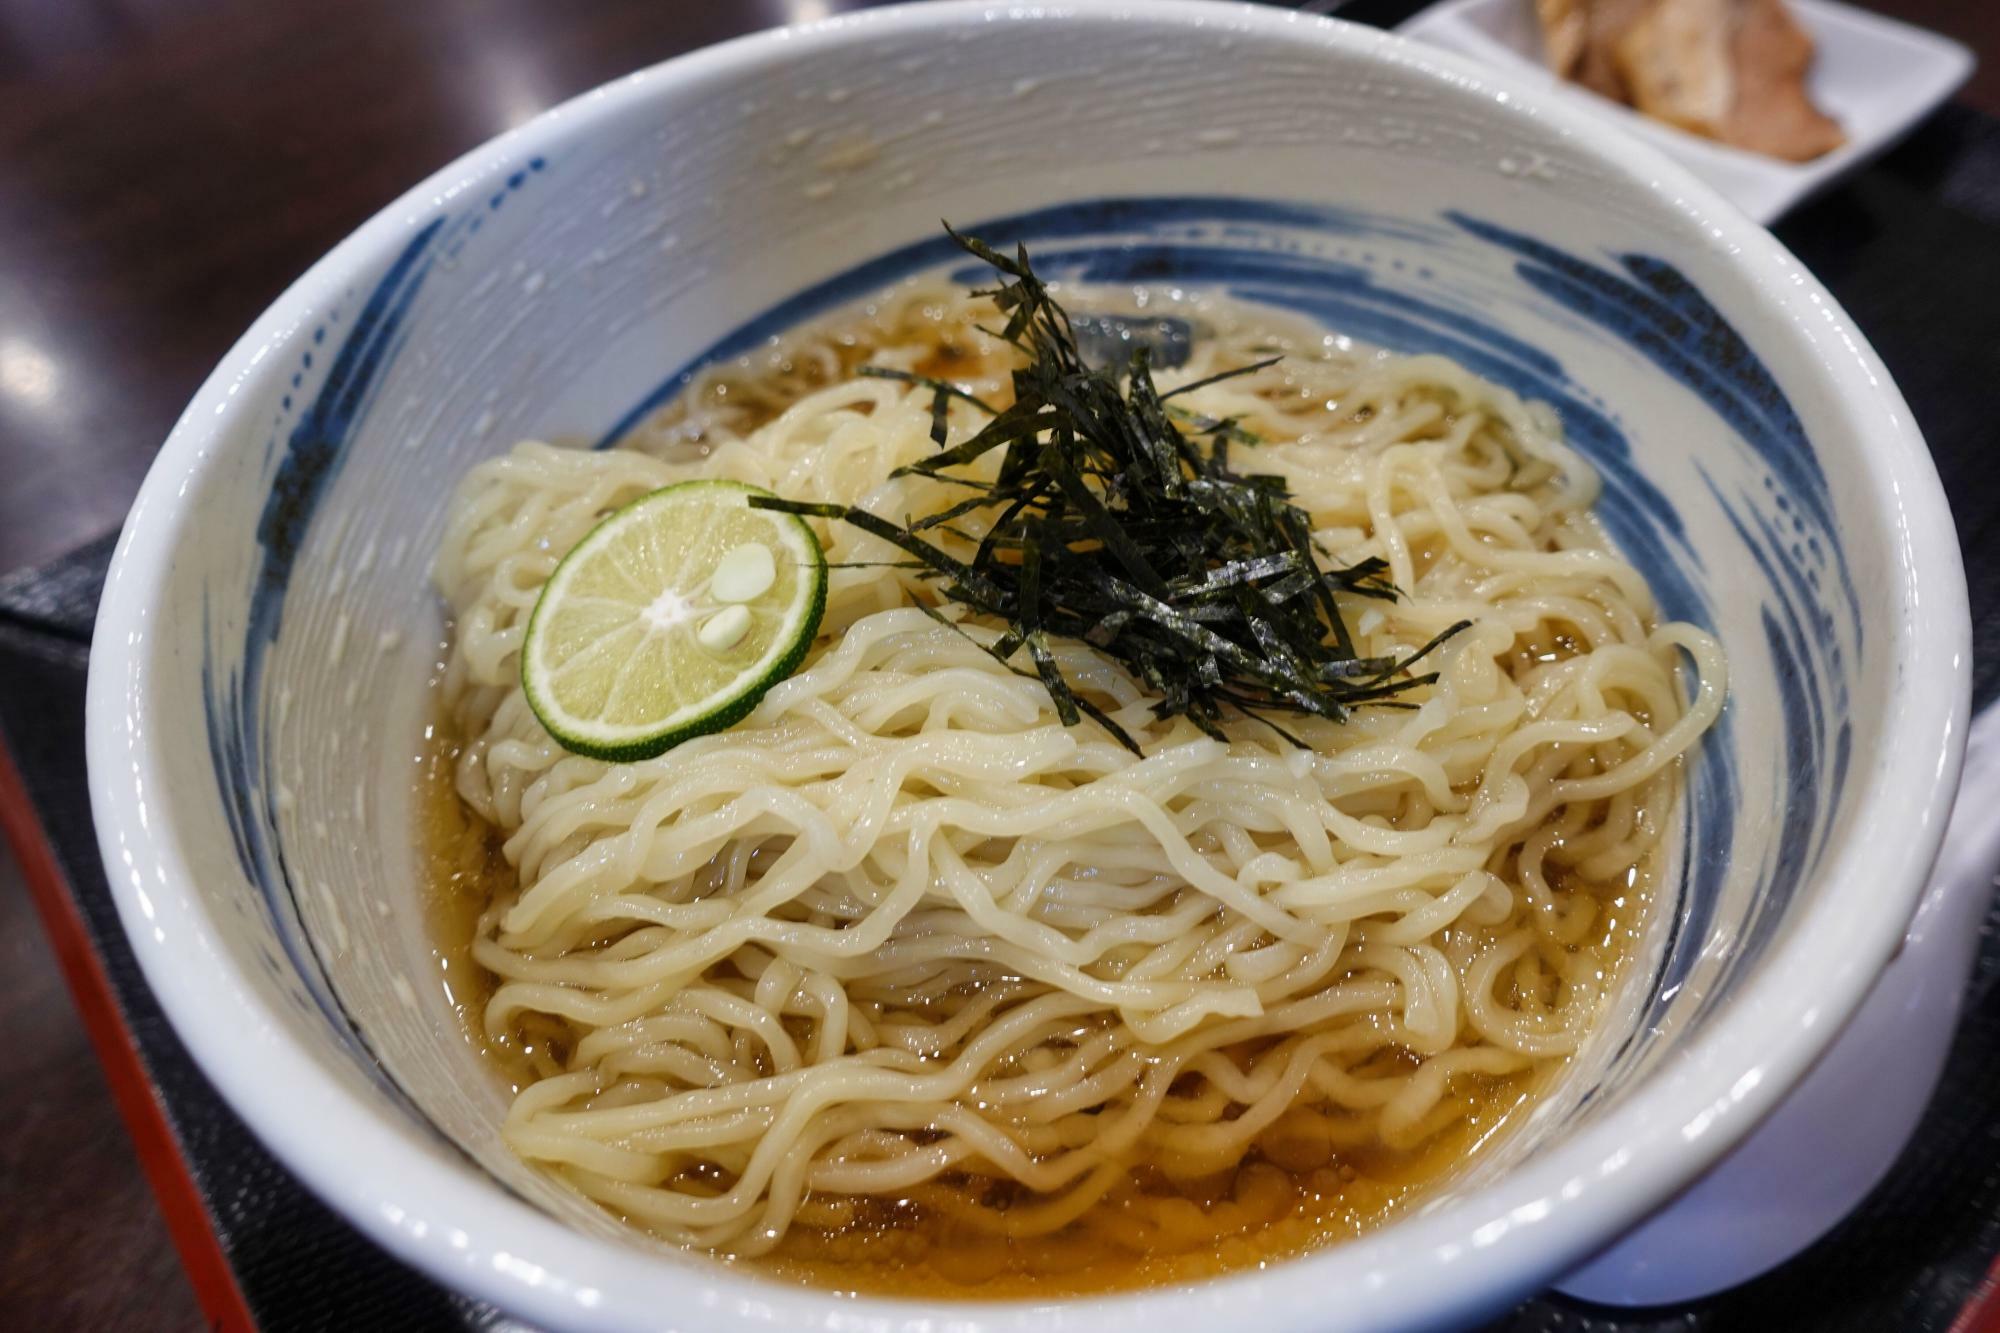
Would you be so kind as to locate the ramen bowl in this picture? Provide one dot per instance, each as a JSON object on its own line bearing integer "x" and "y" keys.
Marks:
{"x": 259, "y": 678}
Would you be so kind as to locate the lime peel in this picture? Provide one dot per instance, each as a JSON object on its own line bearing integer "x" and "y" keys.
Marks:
{"x": 658, "y": 627}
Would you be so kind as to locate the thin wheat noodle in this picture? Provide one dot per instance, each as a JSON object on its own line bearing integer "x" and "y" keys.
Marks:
{"x": 900, "y": 932}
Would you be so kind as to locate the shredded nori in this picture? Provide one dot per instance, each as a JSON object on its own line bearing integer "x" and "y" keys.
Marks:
{"x": 1119, "y": 521}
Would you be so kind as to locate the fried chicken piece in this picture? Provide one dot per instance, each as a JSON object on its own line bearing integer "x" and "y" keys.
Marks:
{"x": 1772, "y": 112}
{"x": 1676, "y": 62}
{"x": 1731, "y": 70}
{"x": 1565, "y": 28}
{"x": 1605, "y": 26}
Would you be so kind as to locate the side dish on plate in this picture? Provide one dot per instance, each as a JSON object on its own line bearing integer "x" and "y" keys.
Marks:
{"x": 1730, "y": 70}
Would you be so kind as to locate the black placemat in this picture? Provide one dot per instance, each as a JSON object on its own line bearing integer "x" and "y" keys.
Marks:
{"x": 298, "y": 1265}
{"x": 1911, "y": 247}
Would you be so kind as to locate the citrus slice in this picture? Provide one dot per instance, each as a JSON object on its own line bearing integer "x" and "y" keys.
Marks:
{"x": 671, "y": 619}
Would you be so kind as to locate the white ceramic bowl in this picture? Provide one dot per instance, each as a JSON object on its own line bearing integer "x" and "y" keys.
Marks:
{"x": 259, "y": 667}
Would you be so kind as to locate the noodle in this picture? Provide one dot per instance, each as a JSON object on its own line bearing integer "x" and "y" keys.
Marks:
{"x": 900, "y": 939}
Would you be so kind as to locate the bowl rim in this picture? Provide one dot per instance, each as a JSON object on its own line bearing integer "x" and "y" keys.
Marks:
{"x": 458, "y": 1225}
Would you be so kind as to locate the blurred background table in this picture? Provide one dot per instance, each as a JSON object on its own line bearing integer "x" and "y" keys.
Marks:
{"x": 167, "y": 167}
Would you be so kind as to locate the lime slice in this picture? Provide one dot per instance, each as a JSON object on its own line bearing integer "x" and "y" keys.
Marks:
{"x": 671, "y": 619}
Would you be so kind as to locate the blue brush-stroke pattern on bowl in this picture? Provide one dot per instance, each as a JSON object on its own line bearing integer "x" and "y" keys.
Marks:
{"x": 1297, "y": 257}
{"x": 306, "y": 465}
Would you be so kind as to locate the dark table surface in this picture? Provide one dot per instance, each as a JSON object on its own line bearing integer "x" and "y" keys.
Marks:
{"x": 167, "y": 167}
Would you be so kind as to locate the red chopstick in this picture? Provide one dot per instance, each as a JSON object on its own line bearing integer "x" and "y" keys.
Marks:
{"x": 138, "y": 1101}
